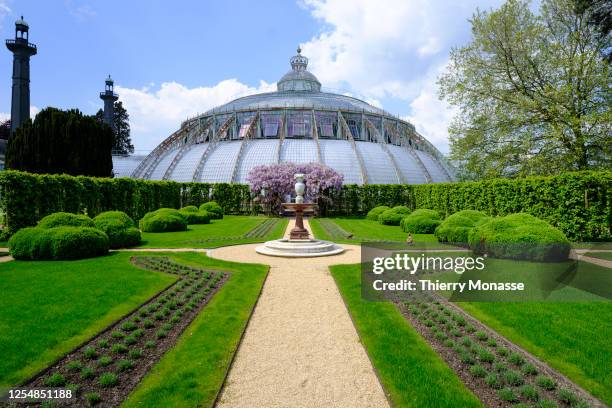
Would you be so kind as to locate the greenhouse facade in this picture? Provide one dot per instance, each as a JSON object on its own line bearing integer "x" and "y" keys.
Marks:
{"x": 298, "y": 123}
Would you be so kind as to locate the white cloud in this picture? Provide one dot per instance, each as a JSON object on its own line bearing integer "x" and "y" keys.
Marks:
{"x": 6, "y": 115}
{"x": 390, "y": 49}
{"x": 80, "y": 10}
{"x": 156, "y": 113}
{"x": 429, "y": 114}
{"x": 5, "y": 11}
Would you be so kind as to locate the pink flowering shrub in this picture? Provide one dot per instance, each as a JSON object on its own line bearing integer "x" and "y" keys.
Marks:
{"x": 279, "y": 182}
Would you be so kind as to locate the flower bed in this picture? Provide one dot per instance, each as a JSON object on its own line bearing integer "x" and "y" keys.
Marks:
{"x": 496, "y": 370}
{"x": 104, "y": 370}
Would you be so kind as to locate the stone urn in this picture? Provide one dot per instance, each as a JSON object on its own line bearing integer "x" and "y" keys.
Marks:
{"x": 300, "y": 187}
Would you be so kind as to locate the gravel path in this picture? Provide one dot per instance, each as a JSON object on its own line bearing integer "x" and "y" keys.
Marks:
{"x": 300, "y": 348}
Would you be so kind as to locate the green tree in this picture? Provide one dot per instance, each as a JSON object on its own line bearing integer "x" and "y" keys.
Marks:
{"x": 60, "y": 141}
{"x": 532, "y": 90}
{"x": 5, "y": 129}
{"x": 121, "y": 120}
{"x": 599, "y": 14}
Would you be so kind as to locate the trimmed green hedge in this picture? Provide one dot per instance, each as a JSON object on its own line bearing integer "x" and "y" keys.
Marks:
{"x": 394, "y": 215}
{"x": 421, "y": 221}
{"x": 578, "y": 203}
{"x": 375, "y": 212}
{"x": 163, "y": 220}
{"x": 119, "y": 227}
{"x": 26, "y": 198}
{"x": 456, "y": 227}
{"x": 519, "y": 236}
{"x": 63, "y": 219}
{"x": 58, "y": 243}
{"x": 196, "y": 217}
{"x": 213, "y": 209}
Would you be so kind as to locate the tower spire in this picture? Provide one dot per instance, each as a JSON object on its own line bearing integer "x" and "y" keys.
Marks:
{"x": 109, "y": 97}
{"x": 22, "y": 51}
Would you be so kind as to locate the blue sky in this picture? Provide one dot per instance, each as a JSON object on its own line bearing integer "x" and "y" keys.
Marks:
{"x": 171, "y": 60}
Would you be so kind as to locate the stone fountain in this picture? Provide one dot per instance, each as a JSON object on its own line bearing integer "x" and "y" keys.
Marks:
{"x": 299, "y": 244}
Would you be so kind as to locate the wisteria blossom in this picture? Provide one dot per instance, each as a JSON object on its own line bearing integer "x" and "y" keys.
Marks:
{"x": 278, "y": 182}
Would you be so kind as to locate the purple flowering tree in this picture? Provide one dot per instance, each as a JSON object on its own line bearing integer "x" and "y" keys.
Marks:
{"x": 276, "y": 180}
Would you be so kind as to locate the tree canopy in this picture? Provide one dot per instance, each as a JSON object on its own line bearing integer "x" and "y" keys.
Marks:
{"x": 121, "y": 120}
{"x": 60, "y": 141}
{"x": 532, "y": 92}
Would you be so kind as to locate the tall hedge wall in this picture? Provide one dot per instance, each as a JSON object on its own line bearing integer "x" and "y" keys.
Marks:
{"x": 580, "y": 204}
{"x": 26, "y": 198}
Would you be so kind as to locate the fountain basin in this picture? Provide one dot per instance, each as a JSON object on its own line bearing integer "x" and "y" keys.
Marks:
{"x": 299, "y": 248}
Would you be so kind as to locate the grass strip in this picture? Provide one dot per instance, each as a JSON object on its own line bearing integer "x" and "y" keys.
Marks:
{"x": 192, "y": 373}
{"x": 412, "y": 374}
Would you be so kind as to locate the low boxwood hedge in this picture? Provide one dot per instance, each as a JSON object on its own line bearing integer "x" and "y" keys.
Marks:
{"x": 119, "y": 227}
{"x": 163, "y": 220}
{"x": 65, "y": 219}
{"x": 394, "y": 215}
{"x": 375, "y": 212}
{"x": 58, "y": 243}
{"x": 421, "y": 221}
{"x": 519, "y": 236}
{"x": 456, "y": 228}
{"x": 195, "y": 216}
{"x": 213, "y": 209}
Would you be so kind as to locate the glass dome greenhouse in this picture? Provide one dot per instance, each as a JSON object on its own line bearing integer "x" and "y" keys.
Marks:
{"x": 298, "y": 123}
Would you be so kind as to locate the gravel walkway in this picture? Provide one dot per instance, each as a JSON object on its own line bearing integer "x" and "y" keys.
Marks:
{"x": 300, "y": 348}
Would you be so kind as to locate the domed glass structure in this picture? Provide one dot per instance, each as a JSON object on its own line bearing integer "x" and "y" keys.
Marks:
{"x": 298, "y": 123}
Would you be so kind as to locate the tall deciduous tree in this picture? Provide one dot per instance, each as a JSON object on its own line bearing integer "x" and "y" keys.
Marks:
{"x": 121, "y": 120}
{"x": 532, "y": 90}
{"x": 5, "y": 129}
{"x": 62, "y": 142}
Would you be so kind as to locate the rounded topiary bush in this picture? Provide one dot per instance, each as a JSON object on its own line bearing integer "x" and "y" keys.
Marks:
{"x": 195, "y": 216}
{"x": 375, "y": 212}
{"x": 456, "y": 227}
{"x": 64, "y": 219}
{"x": 421, "y": 221}
{"x": 394, "y": 215}
{"x": 213, "y": 209}
{"x": 119, "y": 228}
{"x": 198, "y": 217}
{"x": 189, "y": 208}
{"x": 163, "y": 220}
{"x": 519, "y": 236}
{"x": 58, "y": 243}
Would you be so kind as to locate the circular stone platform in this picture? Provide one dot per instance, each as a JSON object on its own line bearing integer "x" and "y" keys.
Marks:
{"x": 299, "y": 248}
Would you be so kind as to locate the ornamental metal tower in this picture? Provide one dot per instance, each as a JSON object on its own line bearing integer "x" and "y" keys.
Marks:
{"x": 22, "y": 51}
{"x": 109, "y": 97}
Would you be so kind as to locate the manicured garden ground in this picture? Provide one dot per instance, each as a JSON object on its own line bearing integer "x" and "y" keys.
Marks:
{"x": 192, "y": 373}
{"x": 48, "y": 308}
{"x": 601, "y": 255}
{"x": 364, "y": 230}
{"x": 411, "y": 372}
{"x": 231, "y": 230}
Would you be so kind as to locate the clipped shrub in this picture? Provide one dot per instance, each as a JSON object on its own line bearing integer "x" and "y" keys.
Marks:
{"x": 213, "y": 209}
{"x": 189, "y": 208}
{"x": 196, "y": 217}
{"x": 58, "y": 243}
{"x": 394, "y": 215}
{"x": 163, "y": 220}
{"x": 422, "y": 221}
{"x": 64, "y": 219}
{"x": 119, "y": 228}
{"x": 456, "y": 227}
{"x": 375, "y": 212}
{"x": 519, "y": 236}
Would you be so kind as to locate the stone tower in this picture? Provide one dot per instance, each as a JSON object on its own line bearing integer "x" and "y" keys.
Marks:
{"x": 109, "y": 97}
{"x": 22, "y": 51}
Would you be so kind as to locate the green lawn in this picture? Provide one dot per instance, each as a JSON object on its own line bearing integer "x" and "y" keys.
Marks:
{"x": 192, "y": 373}
{"x": 601, "y": 255}
{"x": 569, "y": 327}
{"x": 412, "y": 373}
{"x": 48, "y": 308}
{"x": 228, "y": 231}
{"x": 368, "y": 230}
